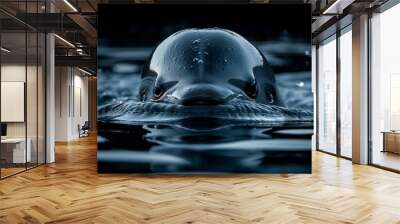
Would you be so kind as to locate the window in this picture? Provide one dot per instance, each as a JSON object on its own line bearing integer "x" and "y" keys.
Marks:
{"x": 327, "y": 95}
{"x": 346, "y": 92}
{"x": 22, "y": 101}
{"x": 385, "y": 89}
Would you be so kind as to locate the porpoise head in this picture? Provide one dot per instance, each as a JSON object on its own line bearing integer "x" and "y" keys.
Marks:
{"x": 207, "y": 67}
{"x": 205, "y": 78}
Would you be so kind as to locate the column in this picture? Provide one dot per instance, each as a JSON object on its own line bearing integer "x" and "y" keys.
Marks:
{"x": 360, "y": 90}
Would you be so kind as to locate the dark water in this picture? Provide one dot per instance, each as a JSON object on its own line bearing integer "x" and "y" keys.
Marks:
{"x": 136, "y": 137}
{"x": 204, "y": 146}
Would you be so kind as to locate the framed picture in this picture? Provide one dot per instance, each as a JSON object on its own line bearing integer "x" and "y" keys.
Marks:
{"x": 204, "y": 88}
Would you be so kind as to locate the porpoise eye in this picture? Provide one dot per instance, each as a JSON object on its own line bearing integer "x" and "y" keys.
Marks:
{"x": 251, "y": 89}
{"x": 270, "y": 98}
{"x": 161, "y": 88}
{"x": 158, "y": 92}
{"x": 248, "y": 87}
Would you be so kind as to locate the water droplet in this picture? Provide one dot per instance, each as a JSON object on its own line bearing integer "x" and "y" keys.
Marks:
{"x": 300, "y": 84}
{"x": 202, "y": 53}
{"x": 198, "y": 60}
{"x": 197, "y": 41}
{"x": 225, "y": 60}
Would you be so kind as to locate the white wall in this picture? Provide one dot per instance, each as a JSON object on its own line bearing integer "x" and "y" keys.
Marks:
{"x": 62, "y": 81}
{"x": 79, "y": 110}
{"x": 33, "y": 126}
{"x": 12, "y": 73}
{"x": 71, "y": 94}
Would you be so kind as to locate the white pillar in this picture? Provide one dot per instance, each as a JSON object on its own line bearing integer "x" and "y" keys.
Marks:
{"x": 50, "y": 92}
{"x": 50, "y": 99}
{"x": 360, "y": 90}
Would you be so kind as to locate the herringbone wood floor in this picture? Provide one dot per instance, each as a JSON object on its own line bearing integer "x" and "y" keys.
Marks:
{"x": 71, "y": 191}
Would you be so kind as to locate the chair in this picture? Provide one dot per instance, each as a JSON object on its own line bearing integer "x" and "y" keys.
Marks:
{"x": 84, "y": 130}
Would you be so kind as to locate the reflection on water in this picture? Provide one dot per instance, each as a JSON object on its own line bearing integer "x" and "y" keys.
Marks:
{"x": 199, "y": 146}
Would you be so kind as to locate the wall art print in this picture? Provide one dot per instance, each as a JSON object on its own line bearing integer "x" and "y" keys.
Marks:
{"x": 204, "y": 88}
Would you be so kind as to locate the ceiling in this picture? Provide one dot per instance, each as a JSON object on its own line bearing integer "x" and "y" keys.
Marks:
{"x": 75, "y": 21}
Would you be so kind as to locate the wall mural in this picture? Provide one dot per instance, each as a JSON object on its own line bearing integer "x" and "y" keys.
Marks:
{"x": 204, "y": 88}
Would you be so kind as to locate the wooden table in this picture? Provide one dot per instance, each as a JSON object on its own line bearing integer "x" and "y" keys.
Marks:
{"x": 391, "y": 141}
